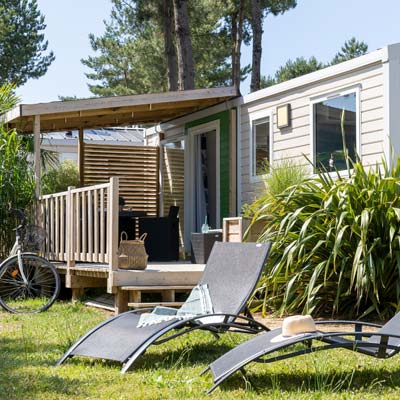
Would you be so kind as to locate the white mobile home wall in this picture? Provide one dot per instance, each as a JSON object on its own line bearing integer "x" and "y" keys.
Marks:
{"x": 376, "y": 79}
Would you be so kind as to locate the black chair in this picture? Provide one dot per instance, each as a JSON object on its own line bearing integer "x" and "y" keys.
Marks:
{"x": 162, "y": 241}
{"x": 231, "y": 273}
{"x": 383, "y": 343}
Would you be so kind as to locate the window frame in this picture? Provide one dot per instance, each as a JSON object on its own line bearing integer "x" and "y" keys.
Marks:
{"x": 257, "y": 120}
{"x": 329, "y": 96}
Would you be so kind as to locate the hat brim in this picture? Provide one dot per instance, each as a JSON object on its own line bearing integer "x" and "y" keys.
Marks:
{"x": 281, "y": 338}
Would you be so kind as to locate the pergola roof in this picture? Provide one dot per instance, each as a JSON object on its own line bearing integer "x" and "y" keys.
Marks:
{"x": 115, "y": 111}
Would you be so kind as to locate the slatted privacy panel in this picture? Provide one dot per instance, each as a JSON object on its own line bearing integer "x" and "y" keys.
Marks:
{"x": 173, "y": 182}
{"x": 137, "y": 168}
{"x": 53, "y": 211}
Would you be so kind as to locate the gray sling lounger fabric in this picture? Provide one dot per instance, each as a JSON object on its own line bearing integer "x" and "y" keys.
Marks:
{"x": 383, "y": 343}
{"x": 232, "y": 272}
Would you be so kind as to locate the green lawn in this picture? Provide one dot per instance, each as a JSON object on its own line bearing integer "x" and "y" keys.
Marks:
{"x": 31, "y": 344}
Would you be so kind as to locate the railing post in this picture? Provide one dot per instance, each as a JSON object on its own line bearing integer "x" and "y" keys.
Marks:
{"x": 112, "y": 224}
{"x": 69, "y": 231}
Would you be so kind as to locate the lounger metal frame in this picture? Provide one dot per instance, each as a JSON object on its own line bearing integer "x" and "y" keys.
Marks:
{"x": 242, "y": 322}
{"x": 332, "y": 340}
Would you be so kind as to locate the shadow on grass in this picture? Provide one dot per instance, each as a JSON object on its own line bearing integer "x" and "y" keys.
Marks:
{"x": 364, "y": 379}
{"x": 19, "y": 380}
{"x": 166, "y": 358}
{"x": 16, "y": 353}
{"x": 26, "y": 385}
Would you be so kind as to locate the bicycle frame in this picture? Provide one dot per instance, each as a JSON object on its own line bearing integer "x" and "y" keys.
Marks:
{"x": 17, "y": 251}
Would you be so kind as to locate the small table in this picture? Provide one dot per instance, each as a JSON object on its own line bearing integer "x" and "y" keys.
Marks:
{"x": 202, "y": 243}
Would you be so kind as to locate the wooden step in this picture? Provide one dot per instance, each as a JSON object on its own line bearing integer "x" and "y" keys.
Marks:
{"x": 157, "y": 288}
{"x": 164, "y": 304}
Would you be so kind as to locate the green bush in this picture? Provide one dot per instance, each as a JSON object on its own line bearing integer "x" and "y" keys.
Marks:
{"x": 16, "y": 176}
{"x": 285, "y": 173}
{"x": 336, "y": 244}
{"x": 58, "y": 179}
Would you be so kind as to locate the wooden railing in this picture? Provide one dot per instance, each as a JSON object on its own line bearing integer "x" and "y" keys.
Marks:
{"x": 82, "y": 224}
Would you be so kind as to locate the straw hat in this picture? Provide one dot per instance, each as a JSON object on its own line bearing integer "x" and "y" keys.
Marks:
{"x": 294, "y": 326}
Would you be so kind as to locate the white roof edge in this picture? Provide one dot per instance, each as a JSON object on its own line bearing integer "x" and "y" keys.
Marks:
{"x": 13, "y": 114}
{"x": 127, "y": 100}
{"x": 380, "y": 55}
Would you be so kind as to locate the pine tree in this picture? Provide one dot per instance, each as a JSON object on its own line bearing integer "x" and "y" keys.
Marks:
{"x": 22, "y": 44}
{"x": 133, "y": 57}
{"x": 301, "y": 66}
{"x": 259, "y": 10}
{"x": 184, "y": 45}
{"x": 351, "y": 49}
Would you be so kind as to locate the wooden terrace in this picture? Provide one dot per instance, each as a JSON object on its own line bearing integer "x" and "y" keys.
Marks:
{"x": 82, "y": 241}
{"x": 82, "y": 223}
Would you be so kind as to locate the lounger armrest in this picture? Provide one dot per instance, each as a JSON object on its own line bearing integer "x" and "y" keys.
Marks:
{"x": 347, "y": 322}
{"x": 355, "y": 333}
{"x": 228, "y": 317}
{"x": 141, "y": 310}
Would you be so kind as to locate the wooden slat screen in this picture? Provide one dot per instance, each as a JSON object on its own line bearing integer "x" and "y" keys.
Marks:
{"x": 136, "y": 166}
{"x": 173, "y": 179}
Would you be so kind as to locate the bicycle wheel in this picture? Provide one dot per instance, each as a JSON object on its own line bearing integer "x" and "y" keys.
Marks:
{"x": 37, "y": 294}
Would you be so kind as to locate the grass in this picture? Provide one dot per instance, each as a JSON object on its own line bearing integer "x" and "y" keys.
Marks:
{"x": 30, "y": 345}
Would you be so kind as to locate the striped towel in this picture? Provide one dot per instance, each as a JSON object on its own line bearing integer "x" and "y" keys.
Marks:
{"x": 198, "y": 303}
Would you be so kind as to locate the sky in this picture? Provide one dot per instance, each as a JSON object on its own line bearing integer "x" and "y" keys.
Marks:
{"x": 314, "y": 28}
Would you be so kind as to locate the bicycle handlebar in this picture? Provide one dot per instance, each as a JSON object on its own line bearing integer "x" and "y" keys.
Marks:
{"x": 20, "y": 215}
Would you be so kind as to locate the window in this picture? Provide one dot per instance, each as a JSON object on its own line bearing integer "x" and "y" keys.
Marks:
{"x": 329, "y": 141}
{"x": 261, "y": 146}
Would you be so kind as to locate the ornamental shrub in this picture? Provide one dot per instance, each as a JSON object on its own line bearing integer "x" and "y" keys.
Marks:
{"x": 336, "y": 244}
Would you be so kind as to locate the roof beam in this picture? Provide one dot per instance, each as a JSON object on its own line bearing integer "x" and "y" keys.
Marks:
{"x": 125, "y": 101}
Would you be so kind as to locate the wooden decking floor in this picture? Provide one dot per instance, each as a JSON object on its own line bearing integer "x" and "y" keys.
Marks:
{"x": 163, "y": 270}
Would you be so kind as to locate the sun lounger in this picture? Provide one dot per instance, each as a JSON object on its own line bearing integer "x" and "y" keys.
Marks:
{"x": 231, "y": 274}
{"x": 383, "y": 343}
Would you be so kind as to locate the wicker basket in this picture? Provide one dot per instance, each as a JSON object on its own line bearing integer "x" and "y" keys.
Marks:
{"x": 132, "y": 253}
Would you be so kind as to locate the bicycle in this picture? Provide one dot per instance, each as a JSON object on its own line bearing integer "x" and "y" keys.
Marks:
{"x": 29, "y": 283}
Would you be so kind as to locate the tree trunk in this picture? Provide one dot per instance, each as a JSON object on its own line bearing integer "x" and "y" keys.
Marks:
{"x": 237, "y": 35}
{"x": 256, "y": 25}
{"x": 234, "y": 37}
{"x": 184, "y": 45}
{"x": 169, "y": 47}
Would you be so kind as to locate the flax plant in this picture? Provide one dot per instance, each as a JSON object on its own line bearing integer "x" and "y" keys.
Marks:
{"x": 336, "y": 243}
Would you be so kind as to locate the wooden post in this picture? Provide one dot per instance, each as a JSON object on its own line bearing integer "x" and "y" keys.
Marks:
{"x": 81, "y": 157}
{"x": 69, "y": 236}
{"x": 121, "y": 301}
{"x": 112, "y": 223}
{"x": 36, "y": 160}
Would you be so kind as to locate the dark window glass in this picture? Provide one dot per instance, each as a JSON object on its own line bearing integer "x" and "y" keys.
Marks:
{"x": 261, "y": 147}
{"x": 328, "y": 133}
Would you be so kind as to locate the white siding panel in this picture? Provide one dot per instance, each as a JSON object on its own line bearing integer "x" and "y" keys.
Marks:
{"x": 372, "y": 148}
{"x": 372, "y": 92}
{"x": 292, "y": 152}
{"x": 294, "y": 142}
{"x": 370, "y": 77}
{"x": 372, "y": 137}
{"x": 297, "y": 132}
{"x": 372, "y": 159}
{"x": 372, "y": 104}
{"x": 371, "y": 115}
{"x": 372, "y": 126}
